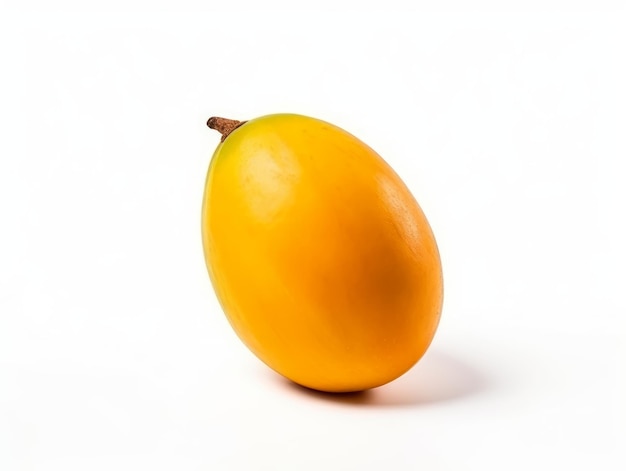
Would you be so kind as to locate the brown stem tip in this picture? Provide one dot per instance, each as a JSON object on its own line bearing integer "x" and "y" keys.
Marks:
{"x": 223, "y": 125}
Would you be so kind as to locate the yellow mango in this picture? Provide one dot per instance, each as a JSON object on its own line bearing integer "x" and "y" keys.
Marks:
{"x": 322, "y": 260}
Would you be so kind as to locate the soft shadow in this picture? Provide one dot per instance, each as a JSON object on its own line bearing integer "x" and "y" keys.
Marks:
{"x": 437, "y": 378}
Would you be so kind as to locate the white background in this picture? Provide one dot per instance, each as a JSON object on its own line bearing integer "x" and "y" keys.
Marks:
{"x": 508, "y": 127}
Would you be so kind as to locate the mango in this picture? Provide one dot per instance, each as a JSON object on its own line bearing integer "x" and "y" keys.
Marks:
{"x": 322, "y": 260}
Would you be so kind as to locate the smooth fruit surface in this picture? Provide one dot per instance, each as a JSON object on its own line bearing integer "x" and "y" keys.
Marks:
{"x": 322, "y": 260}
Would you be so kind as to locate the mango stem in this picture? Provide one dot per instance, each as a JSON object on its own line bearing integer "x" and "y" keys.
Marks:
{"x": 223, "y": 125}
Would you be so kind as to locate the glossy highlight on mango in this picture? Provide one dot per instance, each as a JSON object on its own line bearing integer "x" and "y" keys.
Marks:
{"x": 322, "y": 260}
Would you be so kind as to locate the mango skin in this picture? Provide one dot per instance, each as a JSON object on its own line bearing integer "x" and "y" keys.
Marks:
{"x": 322, "y": 260}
